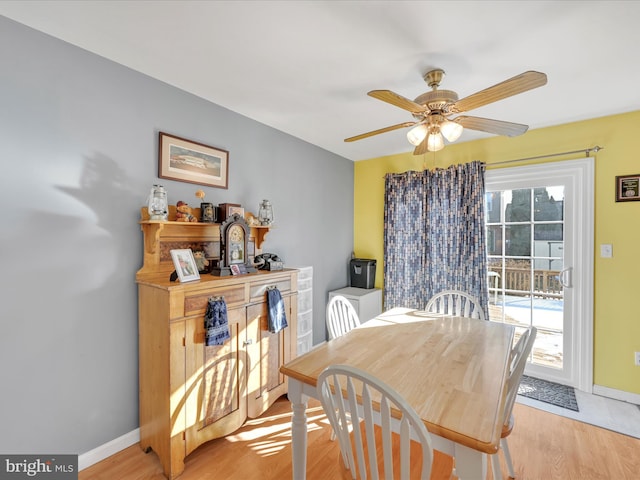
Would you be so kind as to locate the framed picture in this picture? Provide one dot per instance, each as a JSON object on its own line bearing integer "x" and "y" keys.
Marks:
{"x": 628, "y": 188}
{"x": 238, "y": 210}
{"x": 192, "y": 162}
{"x": 185, "y": 264}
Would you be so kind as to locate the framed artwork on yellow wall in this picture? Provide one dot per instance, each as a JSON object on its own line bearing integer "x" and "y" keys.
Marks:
{"x": 628, "y": 188}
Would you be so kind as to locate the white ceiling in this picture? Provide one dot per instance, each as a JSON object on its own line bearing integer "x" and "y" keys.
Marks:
{"x": 304, "y": 67}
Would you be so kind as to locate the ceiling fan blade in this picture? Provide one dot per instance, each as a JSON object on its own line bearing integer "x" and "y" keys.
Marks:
{"x": 518, "y": 84}
{"x": 421, "y": 148}
{"x": 497, "y": 127}
{"x": 398, "y": 100}
{"x": 381, "y": 130}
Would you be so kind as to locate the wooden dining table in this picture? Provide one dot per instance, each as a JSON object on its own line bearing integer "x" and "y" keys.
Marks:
{"x": 451, "y": 370}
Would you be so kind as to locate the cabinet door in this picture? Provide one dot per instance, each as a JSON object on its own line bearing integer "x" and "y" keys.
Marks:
{"x": 216, "y": 379}
{"x": 267, "y": 352}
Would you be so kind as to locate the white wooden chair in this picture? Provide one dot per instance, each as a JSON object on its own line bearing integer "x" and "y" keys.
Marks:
{"x": 519, "y": 355}
{"x": 455, "y": 302}
{"x": 341, "y": 317}
{"x": 345, "y": 391}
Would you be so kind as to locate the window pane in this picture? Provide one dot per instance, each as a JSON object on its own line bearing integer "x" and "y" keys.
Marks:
{"x": 494, "y": 240}
{"x": 492, "y": 207}
{"x": 519, "y": 206}
{"x": 548, "y": 203}
{"x": 548, "y": 246}
{"x": 517, "y": 279}
{"x": 518, "y": 240}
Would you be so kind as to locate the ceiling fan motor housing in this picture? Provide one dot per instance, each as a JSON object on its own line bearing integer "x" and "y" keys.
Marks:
{"x": 439, "y": 101}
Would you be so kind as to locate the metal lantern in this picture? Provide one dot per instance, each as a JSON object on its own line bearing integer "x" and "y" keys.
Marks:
{"x": 158, "y": 206}
{"x": 265, "y": 213}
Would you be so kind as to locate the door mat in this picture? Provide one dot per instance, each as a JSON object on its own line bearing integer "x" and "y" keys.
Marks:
{"x": 548, "y": 392}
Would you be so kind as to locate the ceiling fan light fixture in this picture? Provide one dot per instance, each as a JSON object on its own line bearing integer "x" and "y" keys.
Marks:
{"x": 435, "y": 141}
{"x": 451, "y": 130}
{"x": 417, "y": 134}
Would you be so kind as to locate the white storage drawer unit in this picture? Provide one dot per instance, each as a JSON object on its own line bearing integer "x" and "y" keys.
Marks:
{"x": 366, "y": 301}
{"x": 305, "y": 309}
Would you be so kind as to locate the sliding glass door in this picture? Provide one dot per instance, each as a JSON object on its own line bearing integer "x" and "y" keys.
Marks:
{"x": 539, "y": 244}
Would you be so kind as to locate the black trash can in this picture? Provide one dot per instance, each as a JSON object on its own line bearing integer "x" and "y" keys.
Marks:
{"x": 363, "y": 272}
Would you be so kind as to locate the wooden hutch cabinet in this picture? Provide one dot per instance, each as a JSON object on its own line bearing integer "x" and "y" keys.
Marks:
{"x": 191, "y": 393}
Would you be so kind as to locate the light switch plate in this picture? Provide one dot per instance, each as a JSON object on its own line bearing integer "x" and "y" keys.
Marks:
{"x": 606, "y": 250}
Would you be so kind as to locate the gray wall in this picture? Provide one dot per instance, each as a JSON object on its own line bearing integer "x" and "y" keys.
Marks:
{"x": 79, "y": 154}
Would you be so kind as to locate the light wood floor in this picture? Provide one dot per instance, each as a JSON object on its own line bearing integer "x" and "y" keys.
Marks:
{"x": 544, "y": 446}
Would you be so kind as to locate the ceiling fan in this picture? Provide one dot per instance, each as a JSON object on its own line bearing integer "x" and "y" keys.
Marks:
{"x": 432, "y": 110}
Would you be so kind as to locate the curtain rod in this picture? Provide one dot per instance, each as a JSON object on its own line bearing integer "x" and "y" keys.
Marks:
{"x": 586, "y": 151}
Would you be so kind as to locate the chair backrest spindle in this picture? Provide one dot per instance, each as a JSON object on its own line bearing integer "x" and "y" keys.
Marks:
{"x": 341, "y": 317}
{"x": 348, "y": 392}
{"x": 519, "y": 355}
{"x": 456, "y": 303}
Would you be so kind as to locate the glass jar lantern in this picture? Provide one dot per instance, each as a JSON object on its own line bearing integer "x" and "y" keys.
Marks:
{"x": 265, "y": 213}
{"x": 158, "y": 206}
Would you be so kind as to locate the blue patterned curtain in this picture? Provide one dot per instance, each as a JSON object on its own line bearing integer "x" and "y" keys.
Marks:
{"x": 434, "y": 235}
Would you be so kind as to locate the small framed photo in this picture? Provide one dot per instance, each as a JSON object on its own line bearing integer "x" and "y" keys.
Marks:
{"x": 228, "y": 209}
{"x": 235, "y": 269}
{"x": 628, "y": 188}
{"x": 185, "y": 264}
{"x": 192, "y": 162}
{"x": 238, "y": 210}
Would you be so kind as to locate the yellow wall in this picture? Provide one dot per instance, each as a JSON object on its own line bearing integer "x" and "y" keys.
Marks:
{"x": 616, "y": 280}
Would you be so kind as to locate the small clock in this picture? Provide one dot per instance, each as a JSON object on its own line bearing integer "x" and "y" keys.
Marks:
{"x": 234, "y": 235}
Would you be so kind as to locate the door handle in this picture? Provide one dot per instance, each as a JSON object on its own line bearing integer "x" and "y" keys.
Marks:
{"x": 566, "y": 277}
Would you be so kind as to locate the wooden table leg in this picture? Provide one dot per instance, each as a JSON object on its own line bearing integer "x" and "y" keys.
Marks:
{"x": 470, "y": 464}
{"x": 298, "y": 429}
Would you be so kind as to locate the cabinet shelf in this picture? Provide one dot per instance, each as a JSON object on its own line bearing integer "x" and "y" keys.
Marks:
{"x": 161, "y": 236}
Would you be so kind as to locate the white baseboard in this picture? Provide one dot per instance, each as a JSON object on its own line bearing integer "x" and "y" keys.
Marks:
{"x": 616, "y": 394}
{"x": 106, "y": 450}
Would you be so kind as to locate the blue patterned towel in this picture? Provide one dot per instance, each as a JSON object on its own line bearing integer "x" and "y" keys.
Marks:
{"x": 277, "y": 316}
{"x": 216, "y": 323}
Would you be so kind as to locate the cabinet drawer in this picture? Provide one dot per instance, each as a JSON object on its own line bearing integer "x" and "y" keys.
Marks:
{"x": 304, "y": 343}
{"x": 196, "y": 302}
{"x": 257, "y": 289}
{"x": 305, "y": 322}
{"x": 305, "y": 300}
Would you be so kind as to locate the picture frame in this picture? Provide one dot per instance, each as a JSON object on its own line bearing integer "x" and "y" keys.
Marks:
{"x": 238, "y": 210}
{"x": 185, "y": 264}
{"x": 628, "y": 188}
{"x": 228, "y": 209}
{"x": 192, "y": 162}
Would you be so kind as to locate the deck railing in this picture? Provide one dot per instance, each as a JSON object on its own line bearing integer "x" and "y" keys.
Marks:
{"x": 517, "y": 281}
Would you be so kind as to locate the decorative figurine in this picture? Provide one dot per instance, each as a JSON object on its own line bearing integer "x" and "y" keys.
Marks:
{"x": 183, "y": 212}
